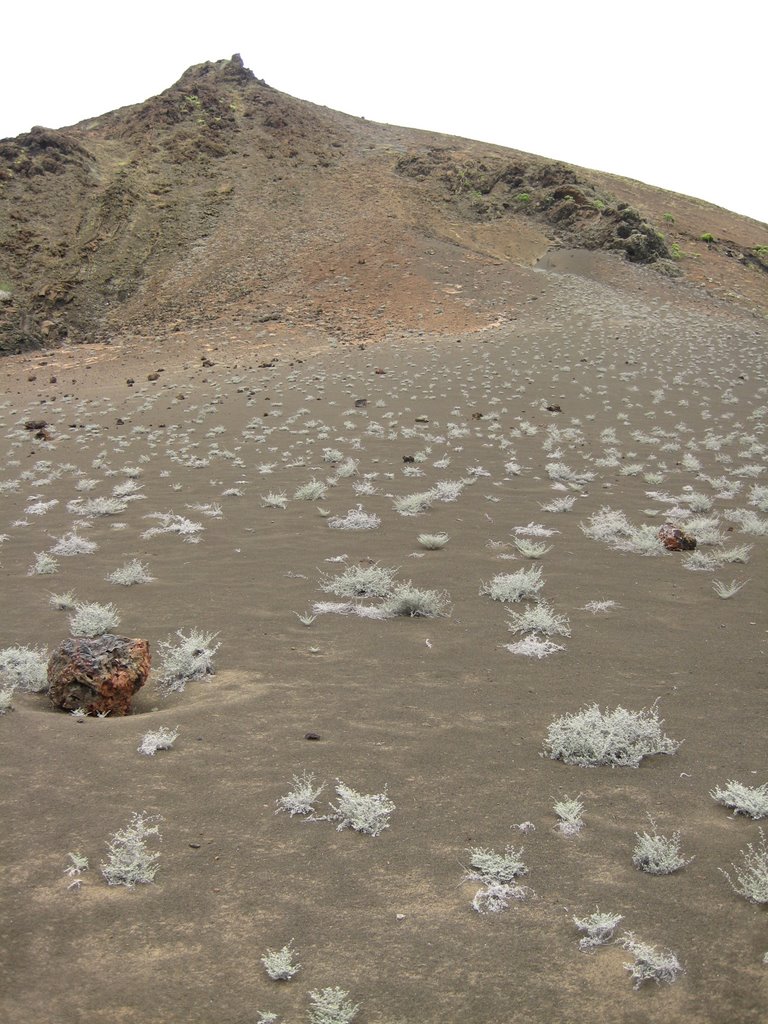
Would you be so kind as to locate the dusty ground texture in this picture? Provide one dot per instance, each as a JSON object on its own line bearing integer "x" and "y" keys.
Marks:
{"x": 663, "y": 408}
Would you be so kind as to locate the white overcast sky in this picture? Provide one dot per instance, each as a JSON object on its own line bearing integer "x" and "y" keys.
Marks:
{"x": 671, "y": 93}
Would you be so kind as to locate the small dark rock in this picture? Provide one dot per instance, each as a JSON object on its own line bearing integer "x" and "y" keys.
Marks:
{"x": 311, "y": 735}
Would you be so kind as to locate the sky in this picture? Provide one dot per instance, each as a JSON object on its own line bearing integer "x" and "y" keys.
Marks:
{"x": 671, "y": 93}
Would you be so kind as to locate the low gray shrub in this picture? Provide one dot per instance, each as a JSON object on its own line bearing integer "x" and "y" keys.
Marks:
{"x": 656, "y": 854}
{"x": 514, "y": 586}
{"x": 488, "y": 865}
{"x": 355, "y": 519}
{"x": 303, "y": 797}
{"x": 189, "y": 659}
{"x": 72, "y": 544}
{"x": 159, "y": 739}
{"x": 748, "y": 800}
{"x": 91, "y": 619}
{"x": 365, "y": 813}
{"x": 130, "y": 574}
{"x": 650, "y": 963}
{"x": 752, "y": 876}
{"x": 620, "y": 737}
{"x": 360, "y": 581}
{"x": 539, "y": 618}
{"x": 569, "y": 813}
{"x": 129, "y": 860}
{"x": 24, "y": 668}
{"x": 279, "y": 963}
{"x": 599, "y": 928}
{"x": 314, "y": 490}
{"x": 408, "y": 600}
{"x": 43, "y": 565}
{"x": 331, "y": 1006}
{"x": 433, "y": 541}
{"x": 497, "y": 873}
{"x": 63, "y": 602}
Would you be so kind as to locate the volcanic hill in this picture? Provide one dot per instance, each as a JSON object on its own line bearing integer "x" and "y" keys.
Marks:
{"x": 223, "y": 204}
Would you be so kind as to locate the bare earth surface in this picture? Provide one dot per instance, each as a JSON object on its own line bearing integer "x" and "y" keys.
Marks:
{"x": 434, "y": 709}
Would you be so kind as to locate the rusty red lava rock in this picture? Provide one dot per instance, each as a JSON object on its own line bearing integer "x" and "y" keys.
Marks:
{"x": 675, "y": 539}
{"x": 99, "y": 674}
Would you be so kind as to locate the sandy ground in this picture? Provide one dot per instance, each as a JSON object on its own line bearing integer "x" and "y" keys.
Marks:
{"x": 435, "y": 710}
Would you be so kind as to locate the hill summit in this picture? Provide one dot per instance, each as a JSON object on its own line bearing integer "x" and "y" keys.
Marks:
{"x": 225, "y": 203}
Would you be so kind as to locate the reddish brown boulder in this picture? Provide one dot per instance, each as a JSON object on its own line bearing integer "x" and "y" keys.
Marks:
{"x": 99, "y": 674}
{"x": 675, "y": 539}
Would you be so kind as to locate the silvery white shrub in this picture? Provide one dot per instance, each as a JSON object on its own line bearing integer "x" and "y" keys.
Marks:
{"x": 6, "y": 699}
{"x": 63, "y": 602}
{"x": 702, "y": 561}
{"x": 355, "y": 519}
{"x": 747, "y": 800}
{"x": 73, "y": 544}
{"x": 752, "y": 876}
{"x": 331, "y": 1006}
{"x": 131, "y": 574}
{"x": 303, "y": 797}
{"x": 497, "y": 873}
{"x": 533, "y": 646}
{"x": 643, "y": 540}
{"x": 531, "y": 548}
{"x": 414, "y": 504}
{"x": 314, "y": 490}
{"x": 564, "y": 504}
{"x": 737, "y": 554}
{"x": 433, "y": 541}
{"x": 407, "y": 600}
{"x": 726, "y": 590}
{"x": 447, "y": 490}
{"x": 488, "y": 865}
{"x": 24, "y": 668}
{"x": 43, "y": 565}
{"x": 347, "y": 468}
{"x": 758, "y": 496}
{"x": 274, "y": 499}
{"x": 539, "y": 618}
{"x": 91, "y": 619}
{"x": 569, "y": 812}
{"x": 650, "y": 963}
{"x": 656, "y": 854}
{"x": 494, "y": 897}
{"x": 129, "y": 860}
{"x": 620, "y": 737}
{"x": 332, "y": 455}
{"x": 159, "y": 739}
{"x": 365, "y": 813}
{"x": 599, "y": 928}
{"x": 186, "y": 660}
{"x": 360, "y": 581}
{"x": 305, "y": 619}
{"x": 77, "y": 865}
{"x": 516, "y": 586}
{"x": 97, "y": 506}
{"x": 279, "y": 963}
{"x": 172, "y": 523}
{"x": 600, "y": 606}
